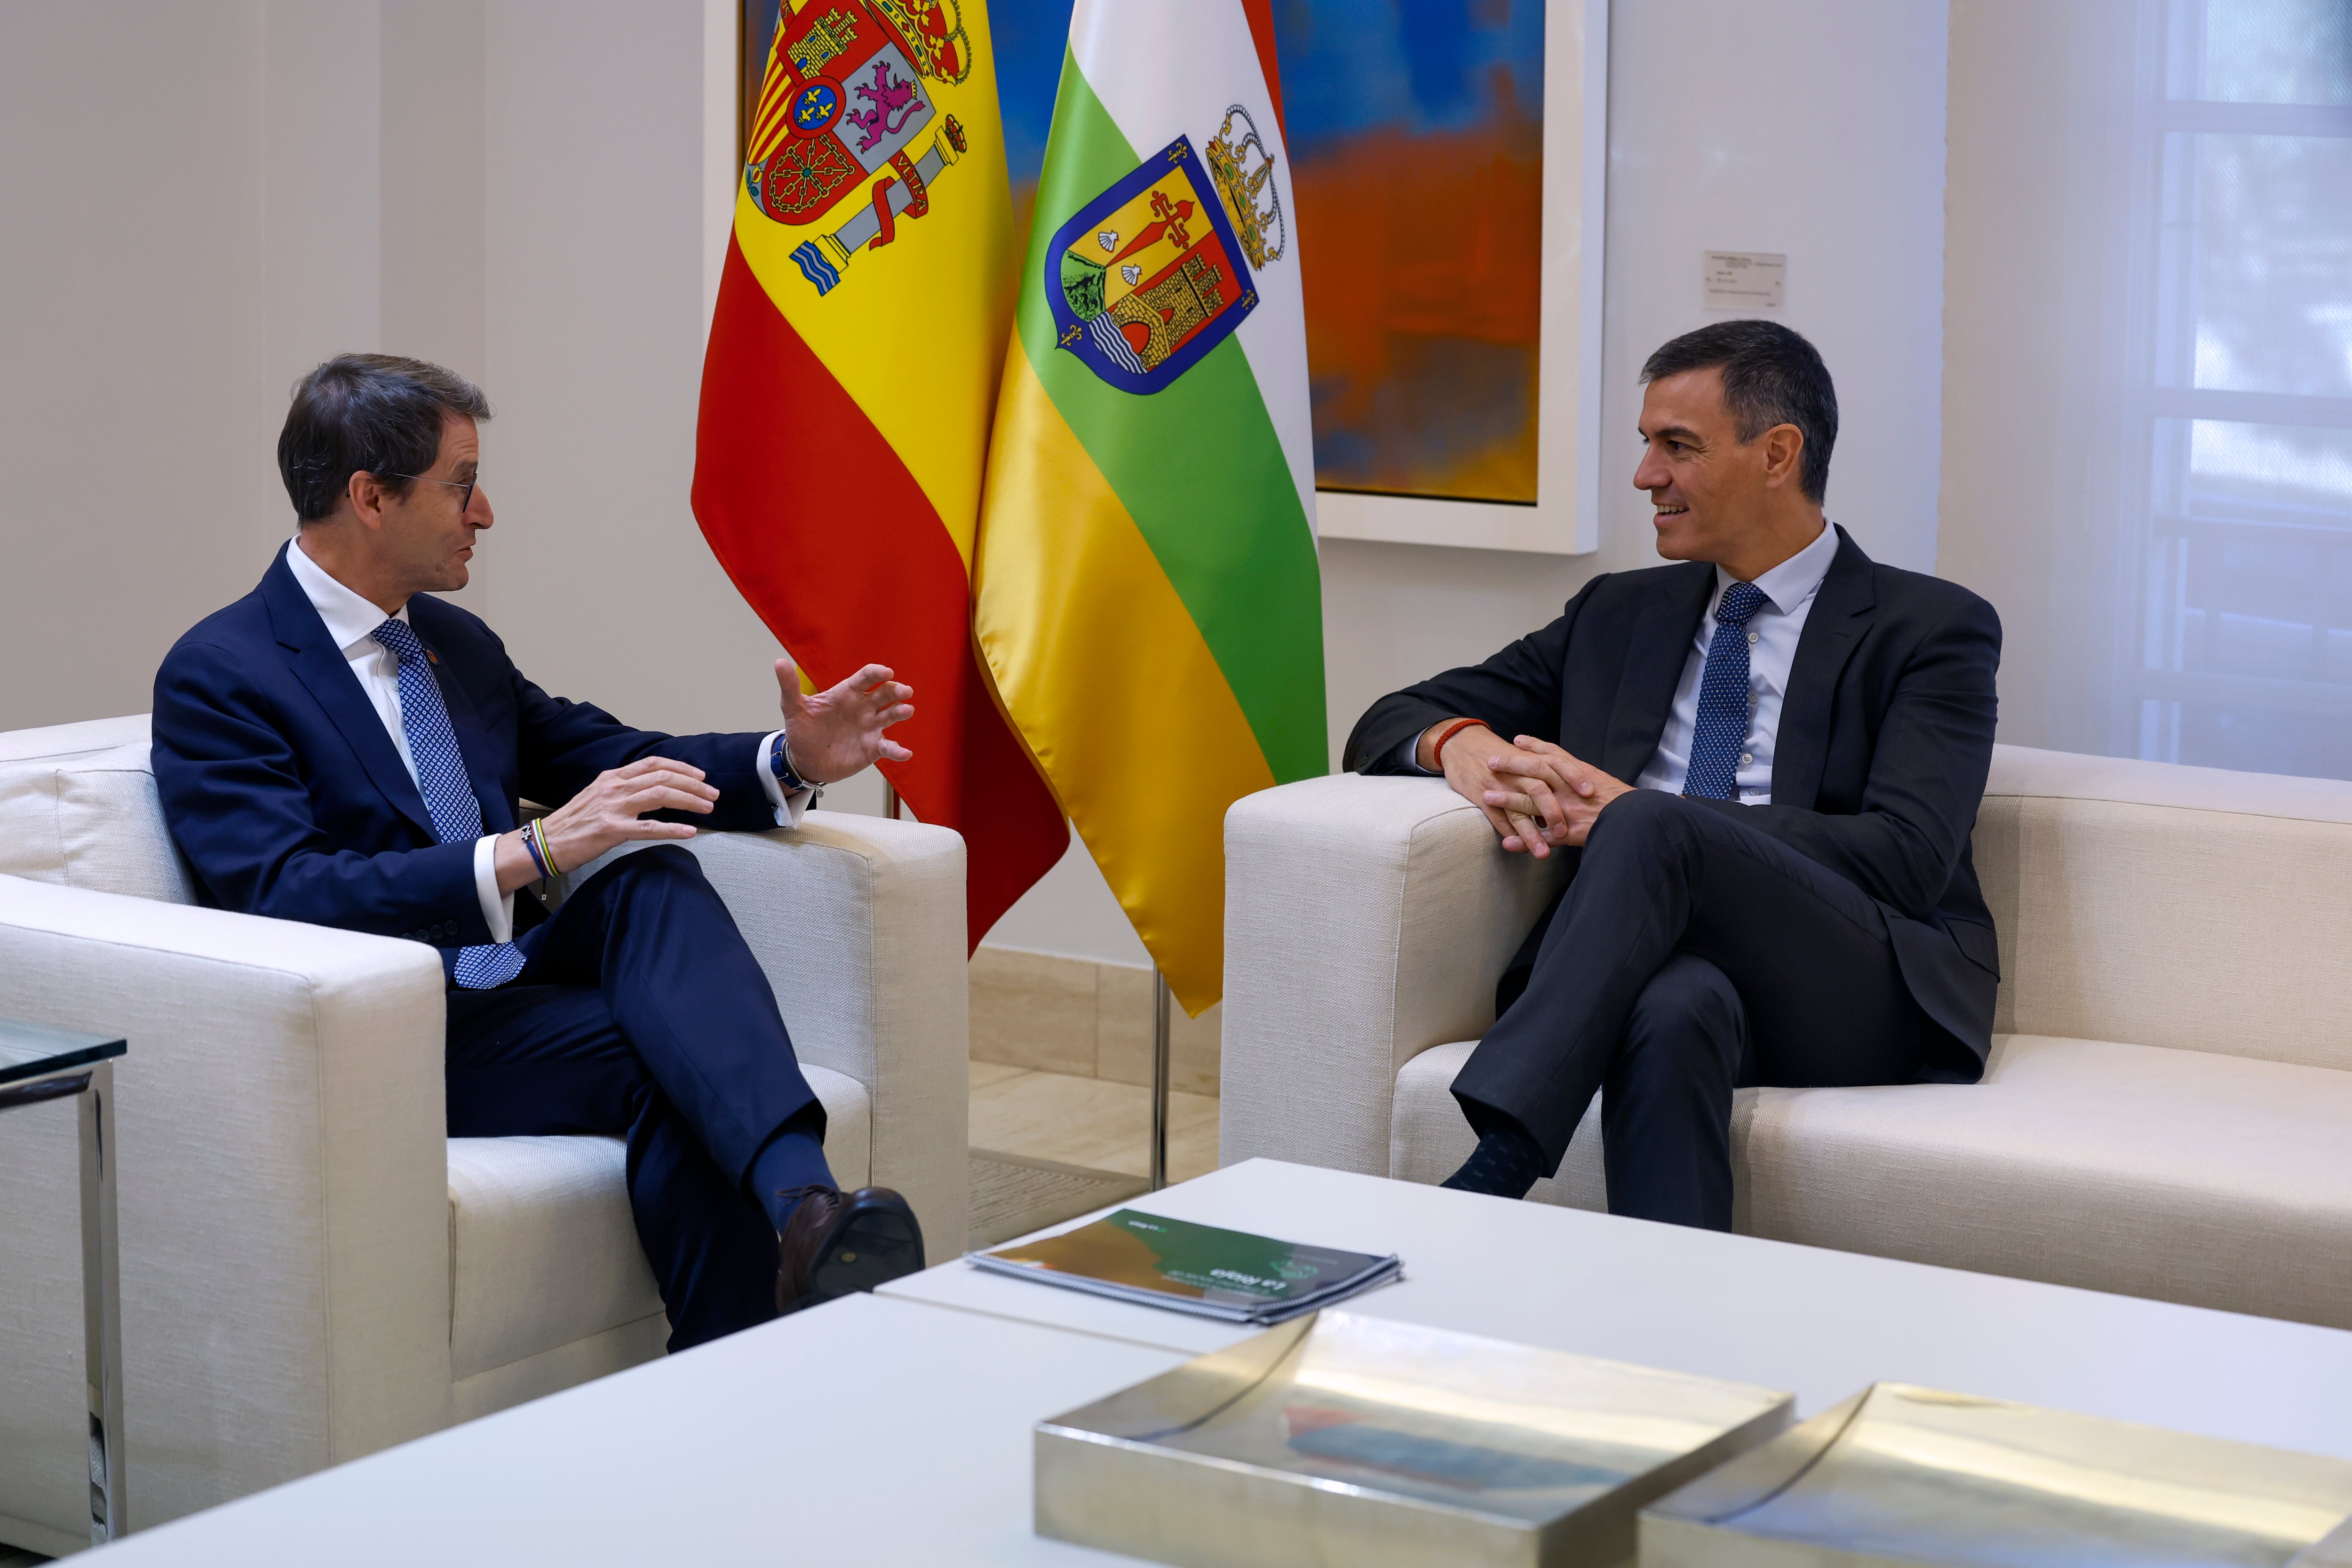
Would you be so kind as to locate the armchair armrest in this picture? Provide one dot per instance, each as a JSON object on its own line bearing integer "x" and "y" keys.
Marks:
{"x": 283, "y": 1193}
{"x": 859, "y": 923}
{"x": 1367, "y": 920}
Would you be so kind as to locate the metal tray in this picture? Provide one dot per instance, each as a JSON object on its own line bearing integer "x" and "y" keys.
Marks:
{"x": 1902, "y": 1475}
{"x": 1344, "y": 1438}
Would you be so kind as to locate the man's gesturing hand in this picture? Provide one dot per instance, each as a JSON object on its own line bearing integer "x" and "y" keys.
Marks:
{"x": 1549, "y": 789}
{"x": 838, "y": 732}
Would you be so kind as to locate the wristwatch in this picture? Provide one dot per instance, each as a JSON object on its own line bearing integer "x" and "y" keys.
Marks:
{"x": 780, "y": 762}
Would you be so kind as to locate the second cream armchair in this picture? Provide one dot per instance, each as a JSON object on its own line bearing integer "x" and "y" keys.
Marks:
{"x": 2164, "y": 1114}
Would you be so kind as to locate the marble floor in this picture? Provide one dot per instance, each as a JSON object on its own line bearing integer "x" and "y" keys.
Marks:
{"x": 1088, "y": 1121}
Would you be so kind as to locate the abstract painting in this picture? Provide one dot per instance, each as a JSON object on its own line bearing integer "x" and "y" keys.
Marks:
{"x": 1416, "y": 136}
{"x": 1416, "y": 130}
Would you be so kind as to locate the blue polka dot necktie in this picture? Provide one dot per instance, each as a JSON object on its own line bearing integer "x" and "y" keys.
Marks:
{"x": 448, "y": 795}
{"x": 1721, "y": 733}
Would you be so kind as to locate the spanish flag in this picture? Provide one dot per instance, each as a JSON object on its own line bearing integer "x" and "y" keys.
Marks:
{"x": 848, "y": 391}
{"x": 1148, "y": 592}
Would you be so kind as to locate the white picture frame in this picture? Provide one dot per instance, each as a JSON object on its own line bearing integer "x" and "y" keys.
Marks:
{"x": 1565, "y": 517}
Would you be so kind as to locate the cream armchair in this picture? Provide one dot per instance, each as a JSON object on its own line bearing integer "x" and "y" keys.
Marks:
{"x": 2168, "y": 1111}
{"x": 311, "y": 1269}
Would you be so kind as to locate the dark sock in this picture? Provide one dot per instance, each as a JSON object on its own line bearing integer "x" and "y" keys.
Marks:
{"x": 792, "y": 1163}
{"x": 1505, "y": 1165}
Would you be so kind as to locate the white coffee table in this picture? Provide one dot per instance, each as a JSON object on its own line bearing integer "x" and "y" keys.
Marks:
{"x": 895, "y": 1428}
{"x": 865, "y": 1431}
{"x": 1821, "y": 1324}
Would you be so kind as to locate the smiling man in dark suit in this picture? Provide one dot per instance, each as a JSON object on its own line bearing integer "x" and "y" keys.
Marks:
{"x": 342, "y": 747}
{"x": 1767, "y": 763}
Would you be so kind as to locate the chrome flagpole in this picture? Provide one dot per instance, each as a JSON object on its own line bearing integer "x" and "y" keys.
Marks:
{"x": 1159, "y": 1078}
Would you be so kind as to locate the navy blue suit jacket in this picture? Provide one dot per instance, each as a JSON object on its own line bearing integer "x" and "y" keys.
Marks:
{"x": 1885, "y": 744}
{"x": 284, "y": 791}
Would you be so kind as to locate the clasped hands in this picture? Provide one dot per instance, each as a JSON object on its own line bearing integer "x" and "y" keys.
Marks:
{"x": 831, "y": 735}
{"x": 1537, "y": 795}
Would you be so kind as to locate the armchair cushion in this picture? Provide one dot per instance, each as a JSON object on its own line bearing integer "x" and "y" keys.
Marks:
{"x": 2188, "y": 1176}
{"x": 80, "y": 808}
{"x": 2216, "y": 1181}
{"x": 542, "y": 1247}
{"x": 2170, "y": 906}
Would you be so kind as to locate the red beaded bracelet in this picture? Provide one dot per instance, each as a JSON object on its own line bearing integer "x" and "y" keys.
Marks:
{"x": 1437, "y": 752}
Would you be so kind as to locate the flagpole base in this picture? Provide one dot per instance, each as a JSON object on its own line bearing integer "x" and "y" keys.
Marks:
{"x": 1159, "y": 1078}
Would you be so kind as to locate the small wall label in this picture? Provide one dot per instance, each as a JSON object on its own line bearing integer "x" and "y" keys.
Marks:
{"x": 1745, "y": 279}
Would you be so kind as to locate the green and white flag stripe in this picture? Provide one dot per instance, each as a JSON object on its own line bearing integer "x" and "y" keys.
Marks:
{"x": 1183, "y": 494}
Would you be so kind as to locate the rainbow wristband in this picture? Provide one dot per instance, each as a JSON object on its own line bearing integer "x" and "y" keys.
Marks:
{"x": 534, "y": 839}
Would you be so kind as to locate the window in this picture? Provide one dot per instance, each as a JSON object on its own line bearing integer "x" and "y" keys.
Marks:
{"x": 2244, "y": 644}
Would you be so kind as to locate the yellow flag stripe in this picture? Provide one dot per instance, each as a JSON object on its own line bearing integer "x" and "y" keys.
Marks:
{"x": 915, "y": 331}
{"x": 1111, "y": 684}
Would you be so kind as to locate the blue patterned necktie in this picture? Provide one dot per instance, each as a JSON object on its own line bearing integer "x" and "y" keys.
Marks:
{"x": 1721, "y": 733}
{"x": 448, "y": 795}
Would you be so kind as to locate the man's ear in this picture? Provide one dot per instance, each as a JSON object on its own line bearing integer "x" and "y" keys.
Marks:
{"x": 367, "y": 497}
{"x": 1784, "y": 450}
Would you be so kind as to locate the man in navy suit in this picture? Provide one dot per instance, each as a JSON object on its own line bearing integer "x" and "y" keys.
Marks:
{"x": 342, "y": 747}
{"x": 1766, "y": 763}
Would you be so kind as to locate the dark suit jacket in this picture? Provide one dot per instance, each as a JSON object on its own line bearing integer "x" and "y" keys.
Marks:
{"x": 282, "y": 788}
{"x": 1879, "y": 765}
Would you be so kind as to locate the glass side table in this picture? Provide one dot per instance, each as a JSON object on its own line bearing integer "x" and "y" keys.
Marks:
{"x": 38, "y": 1064}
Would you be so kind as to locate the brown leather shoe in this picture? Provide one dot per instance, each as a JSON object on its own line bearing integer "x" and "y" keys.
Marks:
{"x": 838, "y": 1243}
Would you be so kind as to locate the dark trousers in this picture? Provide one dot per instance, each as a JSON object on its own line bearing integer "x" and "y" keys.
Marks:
{"x": 641, "y": 1014}
{"x": 1691, "y": 955}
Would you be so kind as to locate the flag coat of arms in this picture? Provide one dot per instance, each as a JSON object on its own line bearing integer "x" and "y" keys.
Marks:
{"x": 847, "y": 395}
{"x": 1146, "y": 592}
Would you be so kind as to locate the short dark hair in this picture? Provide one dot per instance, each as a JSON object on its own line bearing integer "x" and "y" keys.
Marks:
{"x": 379, "y": 414}
{"x": 1770, "y": 376}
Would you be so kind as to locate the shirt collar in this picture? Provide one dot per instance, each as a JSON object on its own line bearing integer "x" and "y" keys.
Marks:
{"x": 350, "y": 619}
{"x": 1795, "y": 580}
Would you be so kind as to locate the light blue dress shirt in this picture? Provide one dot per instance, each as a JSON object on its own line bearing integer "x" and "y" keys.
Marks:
{"x": 1789, "y": 590}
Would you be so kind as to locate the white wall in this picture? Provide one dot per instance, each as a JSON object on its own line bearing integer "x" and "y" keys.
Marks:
{"x": 208, "y": 201}
{"x": 2037, "y": 425}
{"x": 599, "y": 579}
{"x": 132, "y": 356}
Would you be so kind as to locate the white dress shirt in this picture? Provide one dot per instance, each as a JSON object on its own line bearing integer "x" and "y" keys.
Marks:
{"x": 351, "y": 621}
{"x": 1772, "y": 633}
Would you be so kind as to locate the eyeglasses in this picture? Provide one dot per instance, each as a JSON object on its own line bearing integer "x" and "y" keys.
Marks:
{"x": 465, "y": 502}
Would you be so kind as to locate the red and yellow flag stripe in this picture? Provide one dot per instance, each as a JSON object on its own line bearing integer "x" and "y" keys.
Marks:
{"x": 849, "y": 389}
